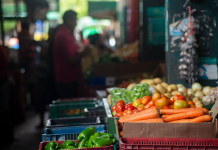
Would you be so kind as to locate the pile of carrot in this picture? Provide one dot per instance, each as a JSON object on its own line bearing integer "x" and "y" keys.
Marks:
{"x": 153, "y": 115}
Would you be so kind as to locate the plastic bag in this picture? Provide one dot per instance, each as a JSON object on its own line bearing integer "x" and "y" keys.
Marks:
{"x": 118, "y": 94}
{"x": 138, "y": 91}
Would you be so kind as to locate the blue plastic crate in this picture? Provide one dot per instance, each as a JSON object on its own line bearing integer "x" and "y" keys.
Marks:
{"x": 67, "y": 133}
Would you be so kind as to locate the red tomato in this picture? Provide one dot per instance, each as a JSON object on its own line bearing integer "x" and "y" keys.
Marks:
{"x": 161, "y": 102}
{"x": 170, "y": 102}
{"x": 127, "y": 112}
{"x": 135, "y": 111}
{"x": 120, "y": 102}
{"x": 178, "y": 104}
{"x": 145, "y": 99}
{"x": 130, "y": 108}
{"x": 140, "y": 107}
{"x": 178, "y": 97}
{"x": 119, "y": 114}
{"x": 120, "y": 108}
{"x": 166, "y": 107}
{"x": 114, "y": 107}
{"x": 127, "y": 105}
{"x": 171, "y": 106}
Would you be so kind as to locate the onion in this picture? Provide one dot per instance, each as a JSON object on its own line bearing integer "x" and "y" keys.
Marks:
{"x": 199, "y": 94}
{"x": 182, "y": 89}
{"x": 206, "y": 90}
{"x": 196, "y": 86}
{"x": 190, "y": 92}
{"x": 178, "y": 85}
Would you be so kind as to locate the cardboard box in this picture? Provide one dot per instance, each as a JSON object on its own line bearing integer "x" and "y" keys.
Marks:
{"x": 172, "y": 130}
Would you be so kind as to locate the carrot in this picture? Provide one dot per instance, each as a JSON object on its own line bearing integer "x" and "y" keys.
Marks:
{"x": 143, "y": 115}
{"x": 165, "y": 116}
{"x": 141, "y": 112}
{"x": 156, "y": 120}
{"x": 149, "y": 104}
{"x": 204, "y": 118}
{"x": 185, "y": 115}
{"x": 176, "y": 111}
{"x": 205, "y": 110}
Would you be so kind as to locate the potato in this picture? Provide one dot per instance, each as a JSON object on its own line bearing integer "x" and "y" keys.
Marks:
{"x": 195, "y": 99}
{"x": 130, "y": 86}
{"x": 198, "y": 103}
{"x": 173, "y": 86}
{"x": 161, "y": 89}
{"x": 155, "y": 90}
{"x": 176, "y": 92}
{"x": 185, "y": 94}
{"x": 167, "y": 95}
{"x": 148, "y": 81}
{"x": 199, "y": 106}
{"x": 171, "y": 98}
{"x": 164, "y": 84}
{"x": 169, "y": 89}
{"x": 157, "y": 80}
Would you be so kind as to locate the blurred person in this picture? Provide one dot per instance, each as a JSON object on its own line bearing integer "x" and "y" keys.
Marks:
{"x": 98, "y": 48}
{"x": 43, "y": 94}
{"x": 67, "y": 57}
{"x": 27, "y": 57}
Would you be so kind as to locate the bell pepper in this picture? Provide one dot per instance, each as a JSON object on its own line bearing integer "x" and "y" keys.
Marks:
{"x": 86, "y": 133}
{"x": 106, "y": 134}
{"x": 178, "y": 97}
{"x": 70, "y": 147}
{"x": 67, "y": 143}
{"x": 91, "y": 138}
{"x": 83, "y": 144}
{"x": 101, "y": 141}
{"x": 50, "y": 146}
{"x": 114, "y": 140}
{"x": 58, "y": 146}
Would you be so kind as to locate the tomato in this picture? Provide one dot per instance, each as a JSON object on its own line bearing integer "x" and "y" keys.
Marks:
{"x": 191, "y": 103}
{"x": 140, "y": 107}
{"x": 114, "y": 107}
{"x": 119, "y": 114}
{"x": 146, "y": 99}
{"x": 130, "y": 108}
{"x": 166, "y": 107}
{"x": 178, "y": 97}
{"x": 156, "y": 107}
{"x": 135, "y": 111}
{"x": 136, "y": 103}
{"x": 178, "y": 104}
{"x": 161, "y": 102}
{"x": 120, "y": 108}
{"x": 156, "y": 96}
{"x": 163, "y": 96}
{"x": 127, "y": 112}
{"x": 171, "y": 106}
{"x": 130, "y": 104}
{"x": 170, "y": 102}
{"x": 120, "y": 102}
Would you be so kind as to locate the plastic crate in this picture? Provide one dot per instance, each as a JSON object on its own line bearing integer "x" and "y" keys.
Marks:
{"x": 43, "y": 144}
{"x": 75, "y": 100}
{"x": 69, "y": 109}
{"x": 67, "y": 133}
{"x": 74, "y": 121}
{"x": 168, "y": 143}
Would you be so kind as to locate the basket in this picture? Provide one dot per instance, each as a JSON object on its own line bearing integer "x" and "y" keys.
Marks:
{"x": 168, "y": 143}
{"x": 67, "y": 133}
{"x": 43, "y": 144}
{"x": 69, "y": 109}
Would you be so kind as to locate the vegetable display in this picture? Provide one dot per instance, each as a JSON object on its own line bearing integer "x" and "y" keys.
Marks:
{"x": 87, "y": 138}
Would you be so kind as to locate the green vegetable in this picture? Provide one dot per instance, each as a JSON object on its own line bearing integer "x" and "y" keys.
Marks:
{"x": 101, "y": 141}
{"x": 86, "y": 133}
{"x": 68, "y": 143}
{"x": 83, "y": 144}
{"x": 70, "y": 147}
{"x": 50, "y": 146}
{"x": 107, "y": 135}
{"x": 91, "y": 138}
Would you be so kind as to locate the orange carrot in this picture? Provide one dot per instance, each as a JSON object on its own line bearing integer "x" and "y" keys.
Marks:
{"x": 176, "y": 111}
{"x": 143, "y": 115}
{"x": 141, "y": 112}
{"x": 149, "y": 104}
{"x": 165, "y": 116}
{"x": 156, "y": 120}
{"x": 185, "y": 115}
{"x": 205, "y": 110}
{"x": 204, "y": 118}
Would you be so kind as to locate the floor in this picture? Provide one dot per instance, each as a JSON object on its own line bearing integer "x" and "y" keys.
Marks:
{"x": 25, "y": 134}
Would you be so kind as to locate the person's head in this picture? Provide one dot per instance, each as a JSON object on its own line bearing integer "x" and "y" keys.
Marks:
{"x": 69, "y": 19}
{"x": 25, "y": 26}
{"x": 96, "y": 39}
